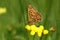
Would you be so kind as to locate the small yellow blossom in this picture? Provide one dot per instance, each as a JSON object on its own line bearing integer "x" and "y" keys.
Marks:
{"x": 32, "y": 33}
{"x": 39, "y": 34}
{"x": 39, "y": 31}
{"x": 2, "y": 10}
{"x": 33, "y": 28}
{"x": 45, "y": 32}
{"x": 27, "y": 27}
{"x": 41, "y": 27}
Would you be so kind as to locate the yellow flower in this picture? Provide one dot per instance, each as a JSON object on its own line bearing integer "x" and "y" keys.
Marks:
{"x": 45, "y": 32}
{"x": 39, "y": 30}
{"x": 33, "y": 28}
{"x": 32, "y": 33}
{"x": 41, "y": 27}
{"x": 2, "y": 10}
{"x": 27, "y": 27}
{"x": 39, "y": 34}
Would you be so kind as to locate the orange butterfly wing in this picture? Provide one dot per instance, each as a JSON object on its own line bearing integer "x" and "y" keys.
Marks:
{"x": 33, "y": 15}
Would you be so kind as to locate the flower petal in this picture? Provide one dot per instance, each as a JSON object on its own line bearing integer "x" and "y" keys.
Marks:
{"x": 41, "y": 27}
{"x": 45, "y": 32}
{"x": 39, "y": 34}
{"x": 27, "y": 27}
{"x": 33, "y": 28}
{"x": 32, "y": 33}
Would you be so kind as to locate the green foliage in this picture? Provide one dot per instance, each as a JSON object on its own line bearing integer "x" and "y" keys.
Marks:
{"x": 16, "y": 18}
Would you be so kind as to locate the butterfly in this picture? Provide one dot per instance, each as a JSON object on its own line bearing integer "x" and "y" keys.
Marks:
{"x": 33, "y": 15}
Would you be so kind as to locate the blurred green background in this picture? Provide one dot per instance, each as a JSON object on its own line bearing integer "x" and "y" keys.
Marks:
{"x": 13, "y": 22}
